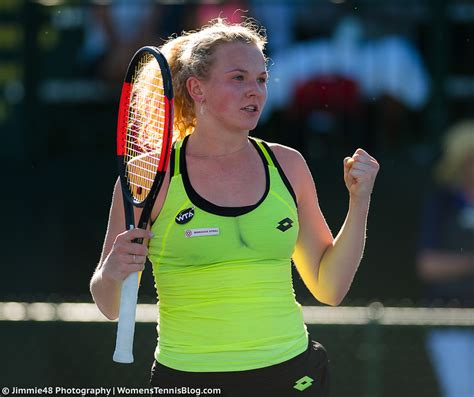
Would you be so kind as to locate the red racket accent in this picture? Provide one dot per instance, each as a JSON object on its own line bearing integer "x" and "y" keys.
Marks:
{"x": 123, "y": 117}
{"x": 168, "y": 136}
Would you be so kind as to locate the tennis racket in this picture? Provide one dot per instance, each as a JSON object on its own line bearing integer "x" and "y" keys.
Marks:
{"x": 144, "y": 135}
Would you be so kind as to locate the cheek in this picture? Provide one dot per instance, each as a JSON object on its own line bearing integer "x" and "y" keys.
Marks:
{"x": 223, "y": 100}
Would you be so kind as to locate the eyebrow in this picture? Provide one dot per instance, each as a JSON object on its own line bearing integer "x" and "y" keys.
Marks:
{"x": 244, "y": 71}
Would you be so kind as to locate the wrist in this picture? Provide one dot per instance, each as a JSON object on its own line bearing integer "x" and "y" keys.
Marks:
{"x": 359, "y": 202}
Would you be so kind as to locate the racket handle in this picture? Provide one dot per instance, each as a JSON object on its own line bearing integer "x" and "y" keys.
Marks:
{"x": 126, "y": 323}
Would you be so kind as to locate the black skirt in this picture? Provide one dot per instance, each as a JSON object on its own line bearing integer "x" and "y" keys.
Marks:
{"x": 304, "y": 375}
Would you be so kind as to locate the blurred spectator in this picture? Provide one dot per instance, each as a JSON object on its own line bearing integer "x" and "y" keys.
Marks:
{"x": 116, "y": 29}
{"x": 232, "y": 11}
{"x": 445, "y": 260}
{"x": 278, "y": 18}
{"x": 387, "y": 67}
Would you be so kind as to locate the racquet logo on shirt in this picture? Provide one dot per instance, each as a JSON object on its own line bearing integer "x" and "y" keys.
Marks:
{"x": 207, "y": 231}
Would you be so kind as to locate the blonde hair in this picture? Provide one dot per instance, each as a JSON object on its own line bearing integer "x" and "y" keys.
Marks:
{"x": 191, "y": 54}
{"x": 146, "y": 99}
{"x": 458, "y": 146}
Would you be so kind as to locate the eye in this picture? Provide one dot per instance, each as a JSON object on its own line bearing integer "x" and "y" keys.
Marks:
{"x": 262, "y": 80}
{"x": 238, "y": 77}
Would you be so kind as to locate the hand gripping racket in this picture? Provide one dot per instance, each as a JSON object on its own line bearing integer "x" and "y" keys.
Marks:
{"x": 144, "y": 135}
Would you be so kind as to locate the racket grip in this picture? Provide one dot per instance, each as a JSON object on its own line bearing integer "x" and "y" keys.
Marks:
{"x": 126, "y": 323}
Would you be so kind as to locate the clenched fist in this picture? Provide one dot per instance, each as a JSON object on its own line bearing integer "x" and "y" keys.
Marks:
{"x": 360, "y": 172}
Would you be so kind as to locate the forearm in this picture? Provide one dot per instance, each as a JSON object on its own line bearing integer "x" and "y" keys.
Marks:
{"x": 106, "y": 294}
{"x": 340, "y": 261}
{"x": 444, "y": 266}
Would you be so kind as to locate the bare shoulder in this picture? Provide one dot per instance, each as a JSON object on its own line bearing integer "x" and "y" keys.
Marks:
{"x": 290, "y": 159}
{"x": 284, "y": 151}
{"x": 293, "y": 165}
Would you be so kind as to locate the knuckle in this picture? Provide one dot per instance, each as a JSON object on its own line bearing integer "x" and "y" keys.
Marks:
{"x": 120, "y": 248}
{"x": 139, "y": 232}
{"x": 137, "y": 249}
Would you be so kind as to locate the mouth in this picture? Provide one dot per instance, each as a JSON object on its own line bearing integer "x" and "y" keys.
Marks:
{"x": 250, "y": 108}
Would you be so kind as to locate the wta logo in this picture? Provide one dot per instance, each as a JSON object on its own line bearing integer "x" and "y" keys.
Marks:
{"x": 184, "y": 216}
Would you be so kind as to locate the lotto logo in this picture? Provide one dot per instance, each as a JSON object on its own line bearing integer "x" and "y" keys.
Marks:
{"x": 303, "y": 383}
{"x": 285, "y": 224}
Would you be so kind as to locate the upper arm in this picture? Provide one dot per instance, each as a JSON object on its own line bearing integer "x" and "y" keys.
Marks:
{"x": 314, "y": 235}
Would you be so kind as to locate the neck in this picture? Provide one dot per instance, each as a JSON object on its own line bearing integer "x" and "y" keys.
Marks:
{"x": 201, "y": 144}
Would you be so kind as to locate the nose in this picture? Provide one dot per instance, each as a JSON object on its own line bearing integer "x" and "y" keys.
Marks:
{"x": 256, "y": 89}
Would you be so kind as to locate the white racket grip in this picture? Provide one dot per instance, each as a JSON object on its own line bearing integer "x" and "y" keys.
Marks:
{"x": 126, "y": 323}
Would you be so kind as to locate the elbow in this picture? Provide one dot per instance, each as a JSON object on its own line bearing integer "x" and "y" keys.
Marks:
{"x": 105, "y": 296}
{"x": 332, "y": 301}
{"x": 109, "y": 312}
{"x": 328, "y": 295}
{"x": 329, "y": 298}
{"x": 109, "y": 315}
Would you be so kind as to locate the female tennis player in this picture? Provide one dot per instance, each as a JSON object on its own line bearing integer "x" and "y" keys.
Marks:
{"x": 231, "y": 215}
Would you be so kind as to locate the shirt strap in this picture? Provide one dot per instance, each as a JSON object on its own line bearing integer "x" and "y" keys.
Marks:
{"x": 265, "y": 150}
{"x": 175, "y": 157}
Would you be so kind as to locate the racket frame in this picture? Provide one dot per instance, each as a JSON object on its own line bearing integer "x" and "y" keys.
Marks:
{"x": 129, "y": 292}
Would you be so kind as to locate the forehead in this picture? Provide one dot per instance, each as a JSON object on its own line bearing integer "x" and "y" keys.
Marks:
{"x": 230, "y": 56}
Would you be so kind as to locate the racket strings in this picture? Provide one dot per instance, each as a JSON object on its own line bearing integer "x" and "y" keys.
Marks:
{"x": 146, "y": 123}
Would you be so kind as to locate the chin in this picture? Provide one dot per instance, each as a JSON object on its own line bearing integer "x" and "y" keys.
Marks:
{"x": 251, "y": 126}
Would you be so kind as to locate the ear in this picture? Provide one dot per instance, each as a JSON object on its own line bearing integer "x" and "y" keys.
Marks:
{"x": 195, "y": 89}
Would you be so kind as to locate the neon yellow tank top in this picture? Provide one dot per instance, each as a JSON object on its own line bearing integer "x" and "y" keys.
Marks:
{"x": 223, "y": 276}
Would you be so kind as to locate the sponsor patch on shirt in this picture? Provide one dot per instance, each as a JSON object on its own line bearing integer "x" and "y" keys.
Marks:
{"x": 184, "y": 216}
{"x": 205, "y": 231}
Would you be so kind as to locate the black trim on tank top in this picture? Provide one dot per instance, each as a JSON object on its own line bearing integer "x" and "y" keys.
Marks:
{"x": 281, "y": 172}
{"x": 212, "y": 208}
{"x": 173, "y": 151}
